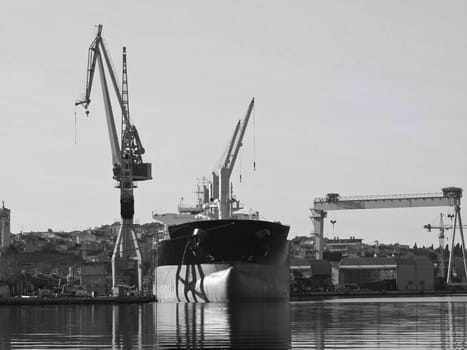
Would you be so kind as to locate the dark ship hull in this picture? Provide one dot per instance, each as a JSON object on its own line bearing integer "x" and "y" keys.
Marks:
{"x": 222, "y": 261}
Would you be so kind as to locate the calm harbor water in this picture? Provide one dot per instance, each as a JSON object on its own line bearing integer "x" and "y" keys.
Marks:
{"x": 379, "y": 323}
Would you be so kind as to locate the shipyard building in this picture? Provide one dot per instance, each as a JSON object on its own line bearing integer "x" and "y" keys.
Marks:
{"x": 4, "y": 226}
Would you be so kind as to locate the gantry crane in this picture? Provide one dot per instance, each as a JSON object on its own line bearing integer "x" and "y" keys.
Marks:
{"x": 450, "y": 196}
{"x": 221, "y": 186}
{"x": 128, "y": 165}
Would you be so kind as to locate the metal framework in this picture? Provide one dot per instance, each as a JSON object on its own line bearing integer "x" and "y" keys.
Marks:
{"x": 450, "y": 196}
{"x": 128, "y": 165}
{"x": 442, "y": 228}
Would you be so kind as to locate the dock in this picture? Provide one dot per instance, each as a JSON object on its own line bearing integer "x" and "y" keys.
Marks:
{"x": 372, "y": 294}
{"x": 77, "y": 300}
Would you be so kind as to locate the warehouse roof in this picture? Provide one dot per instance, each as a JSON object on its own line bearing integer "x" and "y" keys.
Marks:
{"x": 368, "y": 263}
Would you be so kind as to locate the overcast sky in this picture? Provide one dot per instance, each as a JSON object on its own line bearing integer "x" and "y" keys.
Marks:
{"x": 354, "y": 97}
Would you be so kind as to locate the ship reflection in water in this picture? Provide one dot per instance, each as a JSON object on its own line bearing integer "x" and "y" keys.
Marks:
{"x": 384, "y": 323}
{"x": 246, "y": 325}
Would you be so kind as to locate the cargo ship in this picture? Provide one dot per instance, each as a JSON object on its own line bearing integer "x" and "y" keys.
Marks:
{"x": 222, "y": 261}
{"x": 211, "y": 253}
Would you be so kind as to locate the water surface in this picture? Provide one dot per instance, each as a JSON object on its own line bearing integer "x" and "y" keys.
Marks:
{"x": 371, "y": 323}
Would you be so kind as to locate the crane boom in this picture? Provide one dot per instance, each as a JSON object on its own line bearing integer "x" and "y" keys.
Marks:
{"x": 221, "y": 179}
{"x": 92, "y": 57}
{"x": 95, "y": 57}
{"x": 131, "y": 148}
{"x": 335, "y": 202}
{"x": 239, "y": 142}
{"x": 232, "y": 144}
{"x": 114, "y": 146}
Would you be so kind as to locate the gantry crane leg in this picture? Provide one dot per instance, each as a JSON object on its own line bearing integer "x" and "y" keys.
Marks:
{"x": 127, "y": 236}
{"x": 457, "y": 222}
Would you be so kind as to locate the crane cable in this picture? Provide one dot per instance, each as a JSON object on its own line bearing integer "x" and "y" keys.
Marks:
{"x": 254, "y": 139}
{"x": 240, "y": 164}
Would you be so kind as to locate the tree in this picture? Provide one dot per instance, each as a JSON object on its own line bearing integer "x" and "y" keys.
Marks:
{"x": 457, "y": 250}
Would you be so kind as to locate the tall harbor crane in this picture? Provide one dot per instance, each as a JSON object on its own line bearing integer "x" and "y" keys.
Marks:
{"x": 450, "y": 196}
{"x": 128, "y": 165}
{"x": 221, "y": 186}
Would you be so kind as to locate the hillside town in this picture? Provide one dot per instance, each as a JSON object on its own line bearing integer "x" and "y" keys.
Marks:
{"x": 56, "y": 263}
{"x": 46, "y": 263}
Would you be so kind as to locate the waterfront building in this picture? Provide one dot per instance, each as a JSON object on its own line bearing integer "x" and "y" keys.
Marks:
{"x": 371, "y": 273}
{"x": 309, "y": 275}
{"x": 300, "y": 274}
{"x": 410, "y": 272}
{"x": 321, "y": 275}
{"x": 95, "y": 277}
{"x": 415, "y": 273}
{"x": 5, "y": 232}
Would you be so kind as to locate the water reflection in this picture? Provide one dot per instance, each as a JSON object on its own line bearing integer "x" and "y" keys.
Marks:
{"x": 197, "y": 326}
{"x": 408, "y": 323}
{"x": 124, "y": 331}
{"x": 149, "y": 326}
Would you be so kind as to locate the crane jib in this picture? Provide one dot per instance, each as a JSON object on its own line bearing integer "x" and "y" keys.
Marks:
{"x": 131, "y": 146}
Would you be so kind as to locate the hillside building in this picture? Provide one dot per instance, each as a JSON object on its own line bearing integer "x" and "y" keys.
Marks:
{"x": 348, "y": 247}
{"x": 5, "y": 232}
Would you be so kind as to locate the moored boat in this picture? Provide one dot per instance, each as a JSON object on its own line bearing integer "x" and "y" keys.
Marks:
{"x": 222, "y": 261}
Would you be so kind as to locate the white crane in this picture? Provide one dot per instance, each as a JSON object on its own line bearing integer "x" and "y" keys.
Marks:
{"x": 128, "y": 165}
{"x": 221, "y": 186}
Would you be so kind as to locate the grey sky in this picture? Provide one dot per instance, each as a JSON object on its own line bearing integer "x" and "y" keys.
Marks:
{"x": 354, "y": 97}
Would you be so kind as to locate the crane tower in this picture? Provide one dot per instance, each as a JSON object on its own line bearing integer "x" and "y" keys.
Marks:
{"x": 128, "y": 166}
